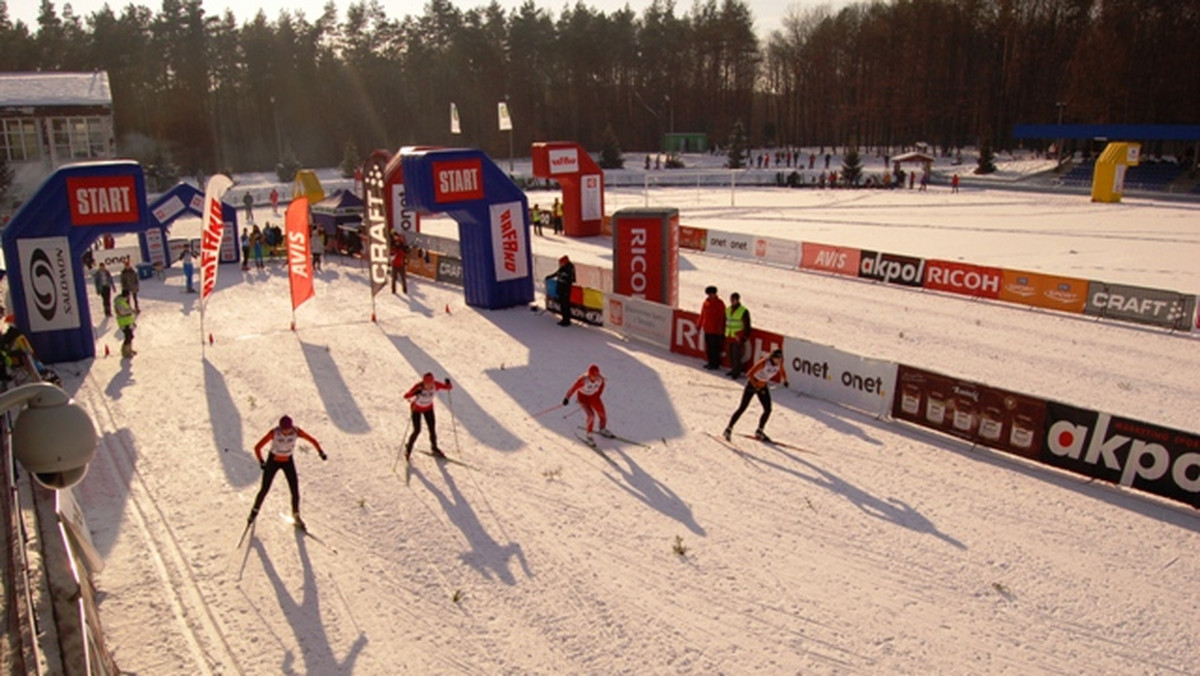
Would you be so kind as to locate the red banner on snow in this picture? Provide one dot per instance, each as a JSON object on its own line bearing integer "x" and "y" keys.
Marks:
{"x": 210, "y": 236}
{"x": 299, "y": 251}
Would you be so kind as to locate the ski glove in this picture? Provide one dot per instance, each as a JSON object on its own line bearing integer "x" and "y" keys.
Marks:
{"x": 322, "y": 454}
{"x": 566, "y": 400}
{"x": 262, "y": 464}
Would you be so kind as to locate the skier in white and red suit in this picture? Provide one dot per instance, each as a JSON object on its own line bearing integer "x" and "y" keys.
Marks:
{"x": 588, "y": 388}
{"x": 421, "y": 397}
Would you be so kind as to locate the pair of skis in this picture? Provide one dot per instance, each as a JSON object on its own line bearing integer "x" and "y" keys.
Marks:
{"x": 303, "y": 528}
{"x": 614, "y": 437}
{"x": 727, "y": 443}
{"x": 442, "y": 458}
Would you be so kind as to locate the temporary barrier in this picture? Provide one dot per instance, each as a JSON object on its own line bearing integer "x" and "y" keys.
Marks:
{"x": 1108, "y": 178}
{"x": 646, "y": 254}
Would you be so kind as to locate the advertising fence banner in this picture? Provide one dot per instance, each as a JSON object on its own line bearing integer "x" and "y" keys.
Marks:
{"x": 1127, "y": 452}
{"x": 692, "y": 238}
{"x": 777, "y": 251}
{"x": 641, "y": 319}
{"x": 1065, "y": 294}
{"x": 686, "y": 336}
{"x": 891, "y": 268}
{"x": 733, "y": 244}
{"x": 979, "y": 413}
{"x": 838, "y": 260}
{"x": 828, "y": 373}
{"x": 50, "y": 283}
{"x": 1140, "y": 305}
{"x": 966, "y": 279}
{"x": 449, "y": 270}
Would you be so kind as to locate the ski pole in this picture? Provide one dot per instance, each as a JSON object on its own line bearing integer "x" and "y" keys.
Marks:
{"x": 573, "y": 412}
{"x": 400, "y": 451}
{"x": 541, "y": 413}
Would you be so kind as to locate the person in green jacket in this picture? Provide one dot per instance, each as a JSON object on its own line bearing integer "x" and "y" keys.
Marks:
{"x": 125, "y": 322}
{"x": 737, "y": 332}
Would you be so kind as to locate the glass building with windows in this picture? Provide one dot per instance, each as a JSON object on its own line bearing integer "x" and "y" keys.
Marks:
{"x": 48, "y": 120}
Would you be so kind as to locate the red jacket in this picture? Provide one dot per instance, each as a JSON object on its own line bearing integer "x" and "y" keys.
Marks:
{"x": 712, "y": 315}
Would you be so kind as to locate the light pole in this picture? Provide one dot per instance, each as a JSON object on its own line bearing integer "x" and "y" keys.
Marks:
{"x": 1060, "y": 105}
{"x": 278, "y": 137}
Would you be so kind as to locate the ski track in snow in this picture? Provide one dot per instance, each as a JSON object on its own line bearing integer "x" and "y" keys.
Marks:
{"x": 888, "y": 549}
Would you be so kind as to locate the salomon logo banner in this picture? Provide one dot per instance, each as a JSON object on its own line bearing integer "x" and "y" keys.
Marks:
{"x": 49, "y": 283}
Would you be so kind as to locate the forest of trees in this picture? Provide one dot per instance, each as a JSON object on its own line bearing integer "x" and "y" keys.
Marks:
{"x": 220, "y": 93}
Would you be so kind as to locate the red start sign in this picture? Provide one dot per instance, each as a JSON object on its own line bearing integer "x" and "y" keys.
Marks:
{"x": 102, "y": 200}
{"x": 457, "y": 181}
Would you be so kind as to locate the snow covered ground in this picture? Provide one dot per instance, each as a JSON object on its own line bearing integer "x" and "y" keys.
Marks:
{"x": 879, "y": 548}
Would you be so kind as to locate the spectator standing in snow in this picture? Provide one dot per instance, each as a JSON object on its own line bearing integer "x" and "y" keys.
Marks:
{"x": 535, "y": 215}
{"x": 248, "y": 202}
{"x": 556, "y": 216}
{"x": 400, "y": 262}
{"x": 103, "y": 281}
{"x": 564, "y": 279}
{"x": 758, "y": 379}
{"x": 245, "y": 250}
{"x": 130, "y": 283}
{"x": 954, "y": 183}
{"x": 737, "y": 332}
{"x": 587, "y": 390}
{"x": 189, "y": 269}
{"x": 421, "y": 397}
{"x": 256, "y": 243}
{"x": 318, "y": 247}
{"x": 712, "y": 323}
{"x": 275, "y": 201}
{"x": 283, "y": 440}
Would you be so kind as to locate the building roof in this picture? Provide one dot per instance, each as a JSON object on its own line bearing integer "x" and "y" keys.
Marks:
{"x": 55, "y": 89}
{"x": 914, "y": 156}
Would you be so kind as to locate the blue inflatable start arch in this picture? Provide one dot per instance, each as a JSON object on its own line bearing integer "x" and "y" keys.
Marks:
{"x": 45, "y": 240}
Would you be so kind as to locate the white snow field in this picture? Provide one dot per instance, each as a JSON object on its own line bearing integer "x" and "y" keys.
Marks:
{"x": 881, "y": 548}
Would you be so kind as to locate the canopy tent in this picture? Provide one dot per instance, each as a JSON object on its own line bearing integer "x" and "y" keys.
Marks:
{"x": 342, "y": 207}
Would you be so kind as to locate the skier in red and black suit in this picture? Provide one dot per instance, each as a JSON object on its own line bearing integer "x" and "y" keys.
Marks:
{"x": 421, "y": 397}
{"x": 283, "y": 442}
{"x": 757, "y": 379}
{"x": 589, "y": 387}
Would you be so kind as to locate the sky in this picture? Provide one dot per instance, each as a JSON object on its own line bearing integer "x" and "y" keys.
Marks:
{"x": 768, "y": 14}
{"x": 869, "y": 547}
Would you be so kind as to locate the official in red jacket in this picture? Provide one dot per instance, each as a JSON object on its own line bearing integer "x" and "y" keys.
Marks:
{"x": 712, "y": 323}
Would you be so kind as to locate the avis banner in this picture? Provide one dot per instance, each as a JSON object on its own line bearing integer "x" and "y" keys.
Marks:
{"x": 299, "y": 251}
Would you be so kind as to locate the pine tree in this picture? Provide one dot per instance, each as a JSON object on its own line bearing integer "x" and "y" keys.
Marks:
{"x": 610, "y": 153}
{"x": 287, "y": 169}
{"x": 350, "y": 159}
{"x": 987, "y": 159}
{"x": 736, "y": 156}
{"x": 852, "y": 167}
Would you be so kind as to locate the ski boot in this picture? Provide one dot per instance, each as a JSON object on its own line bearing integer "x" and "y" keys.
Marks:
{"x": 727, "y": 433}
{"x": 298, "y": 522}
{"x": 605, "y": 433}
{"x": 253, "y": 515}
{"x": 437, "y": 453}
{"x": 762, "y": 436}
{"x": 408, "y": 450}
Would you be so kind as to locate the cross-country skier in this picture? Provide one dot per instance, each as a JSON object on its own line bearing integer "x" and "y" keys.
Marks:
{"x": 588, "y": 388}
{"x": 283, "y": 441}
{"x": 421, "y": 397}
{"x": 757, "y": 379}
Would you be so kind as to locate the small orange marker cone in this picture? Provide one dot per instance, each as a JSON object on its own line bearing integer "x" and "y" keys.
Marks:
{"x": 447, "y": 308}
{"x": 372, "y": 317}
{"x": 106, "y": 349}
{"x": 210, "y": 340}
{"x": 293, "y": 326}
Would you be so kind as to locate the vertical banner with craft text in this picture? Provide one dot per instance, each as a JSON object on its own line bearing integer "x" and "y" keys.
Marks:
{"x": 376, "y": 220}
{"x": 210, "y": 237}
{"x": 299, "y": 252}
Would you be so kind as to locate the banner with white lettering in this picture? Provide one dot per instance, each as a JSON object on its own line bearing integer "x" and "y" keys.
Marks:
{"x": 211, "y": 234}
{"x": 591, "y": 192}
{"x": 299, "y": 252}
{"x": 509, "y": 246}
{"x": 46, "y": 267}
{"x": 375, "y": 220}
{"x": 1141, "y": 305}
{"x": 642, "y": 319}
{"x": 1140, "y": 455}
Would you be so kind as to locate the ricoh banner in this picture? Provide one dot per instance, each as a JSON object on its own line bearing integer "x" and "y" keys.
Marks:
{"x": 1140, "y": 305}
{"x": 640, "y": 319}
{"x": 827, "y": 373}
{"x": 49, "y": 275}
{"x": 1127, "y": 452}
{"x": 963, "y": 278}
